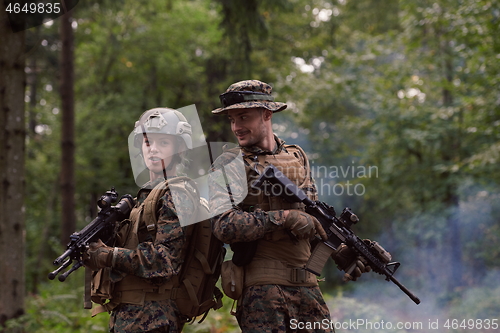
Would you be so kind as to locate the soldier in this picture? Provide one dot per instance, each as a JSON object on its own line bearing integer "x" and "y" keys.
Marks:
{"x": 269, "y": 236}
{"x": 133, "y": 279}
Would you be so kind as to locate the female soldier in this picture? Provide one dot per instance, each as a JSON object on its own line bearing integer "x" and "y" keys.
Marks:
{"x": 133, "y": 280}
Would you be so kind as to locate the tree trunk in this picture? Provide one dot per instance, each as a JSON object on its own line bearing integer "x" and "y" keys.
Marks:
{"x": 12, "y": 182}
{"x": 68, "y": 129}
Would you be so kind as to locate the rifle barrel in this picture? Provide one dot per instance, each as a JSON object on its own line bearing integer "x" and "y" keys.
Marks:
{"x": 63, "y": 256}
{"x": 405, "y": 290}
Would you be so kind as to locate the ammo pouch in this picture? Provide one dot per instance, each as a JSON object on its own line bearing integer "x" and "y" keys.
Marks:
{"x": 243, "y": 252}
{"x": 102, "y": 287}
{"x": 123, "y": 232}
{"x": 102, "y": 290}
{"x": 232, "y": 277}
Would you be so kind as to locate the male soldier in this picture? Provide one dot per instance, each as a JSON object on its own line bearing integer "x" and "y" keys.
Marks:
{"x": 269, "y": 236}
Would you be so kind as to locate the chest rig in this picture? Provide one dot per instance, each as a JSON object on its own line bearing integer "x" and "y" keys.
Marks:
{"x": 278, "y": 259}
{"x": 292, "y": 162}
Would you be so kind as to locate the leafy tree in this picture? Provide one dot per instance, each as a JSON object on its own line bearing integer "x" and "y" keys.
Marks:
{"x": 42, "y": 151}
{"x": 407, "y": 87}
{"x": 147, "y": 55}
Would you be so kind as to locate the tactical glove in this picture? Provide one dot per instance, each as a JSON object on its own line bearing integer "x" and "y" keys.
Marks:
{"x": 303, "y": 225}
{"x": 349, "y": 262}
{"x": 98, "y": 256}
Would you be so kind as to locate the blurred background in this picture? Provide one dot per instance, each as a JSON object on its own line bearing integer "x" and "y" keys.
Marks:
{"x": 396, "y": 102}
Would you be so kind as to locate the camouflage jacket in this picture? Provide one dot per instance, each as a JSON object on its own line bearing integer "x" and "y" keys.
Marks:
{"x": 156, "y": 261}
{"x": 159, "y": 259}
{"x": 234, "y": 224}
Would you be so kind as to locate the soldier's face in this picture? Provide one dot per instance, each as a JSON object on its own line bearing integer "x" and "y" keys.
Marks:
{"x": 248, "y": 126}
{"x": 158, "y": 150}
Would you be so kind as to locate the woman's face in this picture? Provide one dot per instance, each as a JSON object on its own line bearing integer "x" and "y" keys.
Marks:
{"x": 158, "y": 150}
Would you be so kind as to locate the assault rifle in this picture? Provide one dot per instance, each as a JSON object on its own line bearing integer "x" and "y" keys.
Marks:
{"x": 338, "y": 229}
{"x": 101, "y": 227}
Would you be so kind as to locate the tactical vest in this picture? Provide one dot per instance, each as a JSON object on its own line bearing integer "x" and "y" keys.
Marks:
{"x": 279, "y": 259}
{"x": 294, "y": 164}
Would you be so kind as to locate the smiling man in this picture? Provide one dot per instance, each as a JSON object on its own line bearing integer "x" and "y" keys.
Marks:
{"x": 270, "y": 237}
{"x": 251, "y": 127}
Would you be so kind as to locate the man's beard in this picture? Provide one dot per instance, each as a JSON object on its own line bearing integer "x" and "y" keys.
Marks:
{"x": 255, "y": 137}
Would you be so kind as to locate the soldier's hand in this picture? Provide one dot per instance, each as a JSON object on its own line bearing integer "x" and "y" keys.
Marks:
{"x": 98, "y": 256}
{"x": 303, "y": 225}
{"x": 349, "y": 262}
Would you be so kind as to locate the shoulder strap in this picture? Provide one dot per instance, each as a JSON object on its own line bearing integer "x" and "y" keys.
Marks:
{"x": 150, "y": 212}
{"x": 301, "y": 151}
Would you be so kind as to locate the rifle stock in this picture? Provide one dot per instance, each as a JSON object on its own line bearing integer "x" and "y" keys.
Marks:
{"x": 338, "y": 229}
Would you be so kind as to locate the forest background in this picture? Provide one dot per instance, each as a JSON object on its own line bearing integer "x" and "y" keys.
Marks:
{"x": 396, "y": 102}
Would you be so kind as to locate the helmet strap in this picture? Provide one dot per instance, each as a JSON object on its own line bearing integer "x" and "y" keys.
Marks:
{"x": 175, "y": 160}
{"x": 163, "y": 168}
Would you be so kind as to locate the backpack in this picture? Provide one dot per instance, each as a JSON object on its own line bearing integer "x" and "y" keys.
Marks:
{"x": 196, "y": 292}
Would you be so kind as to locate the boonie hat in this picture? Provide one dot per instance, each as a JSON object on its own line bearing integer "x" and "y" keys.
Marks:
{"x": 248, "y": 94}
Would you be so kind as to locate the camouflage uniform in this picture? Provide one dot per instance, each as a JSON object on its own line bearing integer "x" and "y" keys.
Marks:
{"x": 157, "y": 262}
{"x": 272, "y": 307}
{"x": 265, "y": 307}
{"x": 256, "y": 223}
{"x": 136, "y": 277}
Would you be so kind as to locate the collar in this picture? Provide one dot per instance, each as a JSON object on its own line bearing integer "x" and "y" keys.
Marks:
{"x": 254, "y": 150}
{"x": 152, "y": 184}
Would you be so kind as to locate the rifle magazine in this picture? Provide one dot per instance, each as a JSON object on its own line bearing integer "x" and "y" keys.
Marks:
{"x": 318, "y": 258}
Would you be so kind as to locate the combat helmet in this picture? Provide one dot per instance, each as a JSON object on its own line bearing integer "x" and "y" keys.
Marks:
{"x": 159, "y": 121}
{"x": 163, "y": 121}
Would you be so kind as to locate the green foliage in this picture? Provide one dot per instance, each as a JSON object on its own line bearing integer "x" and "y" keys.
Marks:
{"x": 479, "y": 302}
{"x": 129, "y": 57}
{"x": 58, "y": 308}
{"x": 414, "y": 97}
{"x": 409, "y": 87}
{"x": 136, "y": 65}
